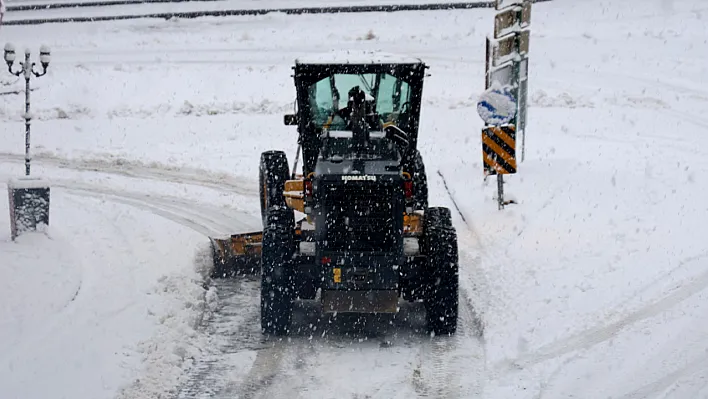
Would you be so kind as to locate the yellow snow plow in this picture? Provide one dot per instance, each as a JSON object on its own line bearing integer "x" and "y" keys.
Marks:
{"x": 239, "y": 254}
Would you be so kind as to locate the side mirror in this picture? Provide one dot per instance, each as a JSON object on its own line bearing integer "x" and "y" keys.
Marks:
{"x": 290, "y": 120}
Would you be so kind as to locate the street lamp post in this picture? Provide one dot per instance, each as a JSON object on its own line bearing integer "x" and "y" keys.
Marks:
{"x": 29, "y": 197}
{"x": 27, "y": 69}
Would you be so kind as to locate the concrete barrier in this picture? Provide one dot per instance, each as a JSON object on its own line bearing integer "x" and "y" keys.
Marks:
{"x": 29, "y": 205}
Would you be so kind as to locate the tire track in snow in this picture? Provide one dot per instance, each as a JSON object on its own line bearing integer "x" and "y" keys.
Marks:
{"x": 597, "y": 335}
{"x": 142, "y": 170}
{"x": 440, "y": 382}
{"x": 670, "y": 380}
{"x": 207, "y": 220}
{"x": 449, "y": 356}
{"x": 319, "y": 339}
{"x": 322, "y": 344}
{"x": 265, "y": 369}
{"x": 224, "y": 371}
{"x": 470, "y": 335}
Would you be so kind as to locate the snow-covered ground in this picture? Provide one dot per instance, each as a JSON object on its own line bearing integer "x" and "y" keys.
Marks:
{"x": 592, "y": 286}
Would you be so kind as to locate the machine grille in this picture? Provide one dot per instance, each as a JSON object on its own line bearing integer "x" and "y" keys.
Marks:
{"x": 360, "y": 217}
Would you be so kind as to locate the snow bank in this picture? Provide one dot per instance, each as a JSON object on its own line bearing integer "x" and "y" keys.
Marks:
{"x": 177, "y": 340}
{"x": 107, "y": 300}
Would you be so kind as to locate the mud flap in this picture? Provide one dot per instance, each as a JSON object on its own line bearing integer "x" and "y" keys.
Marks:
{"x": 239, "y": 254}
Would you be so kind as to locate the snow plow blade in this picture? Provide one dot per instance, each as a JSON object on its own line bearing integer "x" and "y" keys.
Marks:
{"x": 239, "y": 254}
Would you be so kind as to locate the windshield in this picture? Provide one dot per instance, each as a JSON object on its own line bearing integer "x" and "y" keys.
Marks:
{"x": 387, "y": 97}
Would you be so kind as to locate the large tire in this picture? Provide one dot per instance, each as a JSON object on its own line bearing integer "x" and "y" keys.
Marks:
{"x": 440, "y": 245}
{"x": 273, "y": 172}
{"x": 277, "y": 286}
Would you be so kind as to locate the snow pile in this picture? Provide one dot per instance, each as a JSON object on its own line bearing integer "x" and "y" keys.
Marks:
{"x": 177, "y": 341}
{"x": 179, "y": 338}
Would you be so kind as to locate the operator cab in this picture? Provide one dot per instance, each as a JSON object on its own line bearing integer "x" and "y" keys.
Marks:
{"x": 361, "y": 106}
{"x": 381, "y": 100}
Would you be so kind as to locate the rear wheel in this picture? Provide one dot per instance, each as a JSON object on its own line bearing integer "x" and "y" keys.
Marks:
{"x": 277, "y": 286}
{"x": 441, "y": 302}
{"x": 273, "y": 172}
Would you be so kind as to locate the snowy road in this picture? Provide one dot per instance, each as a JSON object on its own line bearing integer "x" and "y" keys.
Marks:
{"x": 328, "y": 358}
{"x": 393, "y": 346}
{"x": 592, "y": 286}
{"x": 331, "y": 357}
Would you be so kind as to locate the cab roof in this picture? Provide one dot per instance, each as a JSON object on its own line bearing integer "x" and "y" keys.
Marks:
{"x": 356, "y": 57}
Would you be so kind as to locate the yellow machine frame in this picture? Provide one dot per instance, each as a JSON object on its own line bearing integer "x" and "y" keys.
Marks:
{"x": 245, "y": 248}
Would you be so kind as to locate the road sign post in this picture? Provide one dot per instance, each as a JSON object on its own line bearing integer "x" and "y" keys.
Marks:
{"x": 506, "y": 71}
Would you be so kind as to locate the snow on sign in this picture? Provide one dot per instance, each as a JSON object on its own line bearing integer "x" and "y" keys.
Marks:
{"x": 502, "y": 4}
{"x": 511, "y": 47}
{"x": 512, "y": 20}
{"x": 497, "y": 105}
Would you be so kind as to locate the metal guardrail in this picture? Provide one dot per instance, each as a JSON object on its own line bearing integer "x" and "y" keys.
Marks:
{"x": 237, "y": 12}
{"x": 54, "y": 6}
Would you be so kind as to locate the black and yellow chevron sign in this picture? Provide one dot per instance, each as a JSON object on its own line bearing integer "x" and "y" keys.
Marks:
{"x": 499, "y": 149}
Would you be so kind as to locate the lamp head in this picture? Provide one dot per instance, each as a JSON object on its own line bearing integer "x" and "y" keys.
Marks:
{"x": 45, "y": 56}
{"x": 9, "y": 54}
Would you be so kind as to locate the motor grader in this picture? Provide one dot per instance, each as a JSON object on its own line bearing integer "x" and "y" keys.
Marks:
{"x": 352, "y": 228}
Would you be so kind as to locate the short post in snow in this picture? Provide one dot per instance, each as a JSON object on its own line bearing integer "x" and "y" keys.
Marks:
{"x": 28, "y": 197}
{"x": 503, "y": 104}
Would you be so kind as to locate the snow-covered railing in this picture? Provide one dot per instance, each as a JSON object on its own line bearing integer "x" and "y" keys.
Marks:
{"x": 114, "y": 12}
